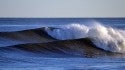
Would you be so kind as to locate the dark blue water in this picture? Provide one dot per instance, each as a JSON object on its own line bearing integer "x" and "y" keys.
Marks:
{"x": 16, "y": 59}
{"x": 28, "y": 23}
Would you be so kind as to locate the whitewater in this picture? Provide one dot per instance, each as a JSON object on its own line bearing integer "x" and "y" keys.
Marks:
{"x": 107, "y": 38}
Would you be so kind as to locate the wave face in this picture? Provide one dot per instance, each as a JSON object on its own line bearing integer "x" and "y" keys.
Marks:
{"x": 37, "y": 35}
{"x": 104, "y": 37}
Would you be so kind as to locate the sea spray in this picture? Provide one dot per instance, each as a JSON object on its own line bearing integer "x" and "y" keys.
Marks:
{"x": 73, "y": 31}
{"x": 104, "y": 37}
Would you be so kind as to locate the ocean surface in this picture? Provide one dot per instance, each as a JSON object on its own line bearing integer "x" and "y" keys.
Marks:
{"x": 62, "y": 43}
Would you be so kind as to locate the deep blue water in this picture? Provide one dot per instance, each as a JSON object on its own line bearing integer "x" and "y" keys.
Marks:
{"x": 15, "y": 59}
{"x": 26, "y": 21}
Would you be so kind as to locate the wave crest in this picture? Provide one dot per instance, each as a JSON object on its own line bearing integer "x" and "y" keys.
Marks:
{"x": 107, "y": 38}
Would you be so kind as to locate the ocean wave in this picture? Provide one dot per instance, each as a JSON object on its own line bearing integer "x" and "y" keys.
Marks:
{"x": 104, "y": 37}
{"x": 65, "y": 48}
{"x": 37, "y": 35}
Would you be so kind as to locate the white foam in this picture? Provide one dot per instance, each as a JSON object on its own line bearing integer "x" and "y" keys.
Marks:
{"x": 104, "y": 37}
{"x": 72, "y": 31}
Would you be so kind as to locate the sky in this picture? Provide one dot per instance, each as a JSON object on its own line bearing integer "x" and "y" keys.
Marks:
{"x": 62, "y": 8}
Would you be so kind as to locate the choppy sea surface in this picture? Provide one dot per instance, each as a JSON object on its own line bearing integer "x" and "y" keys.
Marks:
{"x": 62, "y": 43}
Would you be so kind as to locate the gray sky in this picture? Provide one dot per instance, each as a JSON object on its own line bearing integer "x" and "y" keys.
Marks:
{"x": 62, "y": 8}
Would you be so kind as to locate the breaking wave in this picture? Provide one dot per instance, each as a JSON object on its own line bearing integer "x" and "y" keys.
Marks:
{"x": 104, "y": 37}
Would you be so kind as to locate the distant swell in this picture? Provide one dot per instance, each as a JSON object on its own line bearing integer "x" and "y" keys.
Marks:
{"x": 66, "y": 48}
